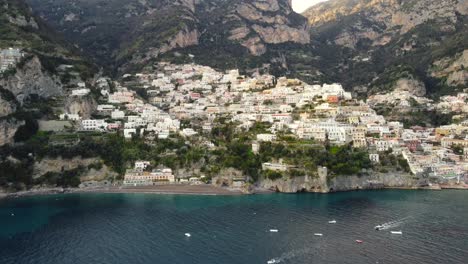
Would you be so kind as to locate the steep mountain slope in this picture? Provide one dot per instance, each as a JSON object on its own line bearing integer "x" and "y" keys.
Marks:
{"x": 42, "y": 52}
{"x": 132, "y": 32}
{"x": 368, "y": 45}
{"x": 379, "y": 42}
{"x": 36, "y": 66}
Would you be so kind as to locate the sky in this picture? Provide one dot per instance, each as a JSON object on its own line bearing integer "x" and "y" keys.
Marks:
{"x": 301, "y": 5}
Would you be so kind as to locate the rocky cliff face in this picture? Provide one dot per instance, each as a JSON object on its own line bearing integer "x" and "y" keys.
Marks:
{"x": 452, "y": 68}
{"x": 8, "y": 128}
{"x": 340, "y": 183}
{"x": 83, "y": 106}
{"x": 58, "y": 165}
{"x": 379, "y": 21}
{"x": 32, "y": 79}
{"x": 6, "y": 107}
{"x": 376, "y": 42}
{"x": 130, "y": 32}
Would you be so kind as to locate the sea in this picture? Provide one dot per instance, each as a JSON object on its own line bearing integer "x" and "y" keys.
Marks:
{"x": 151, "y": 228}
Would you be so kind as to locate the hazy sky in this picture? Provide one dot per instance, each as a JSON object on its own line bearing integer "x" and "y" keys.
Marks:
{"x": 301, "y": 5}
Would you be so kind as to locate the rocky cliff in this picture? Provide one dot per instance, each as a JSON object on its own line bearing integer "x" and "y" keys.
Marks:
{"x": 132, "y": 32}
{"x": 83, "y": 106}
{"x": 59, "y": 165}
{"x": 8, "y": 128}
{"x": 340, "y": 183}
{"x": 7, "y": 105}
{"x": 30, "y": 79}
{"x": 372, "y": 43}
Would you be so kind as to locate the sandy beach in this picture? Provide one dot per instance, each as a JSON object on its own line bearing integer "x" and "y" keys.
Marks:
{"x": 180, "y": 189}
{"x": 170, "y": 189}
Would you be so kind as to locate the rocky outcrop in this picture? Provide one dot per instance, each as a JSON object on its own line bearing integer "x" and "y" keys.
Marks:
{"x": 379, "y": 21}
{"x": 83, "y": 106}
{"x": 8, "y": 128}
{"x": 264, "y": 22}
{"x": 59, "y": 165}
{"x": 413, "y": 86}
{"x": 294, "y": 185}
{"x": 32, "y": 79}
{"x": 6, "y": 107}
{"x": 280, "y": 33}
{"x": 340, "y": 183}
{"x": 454, "y": 69}
{"x": 185, "y": 38}
{"x": 22, "y": 21}
{"x": 90, "y": 173}
{"x": 104, "y": 173}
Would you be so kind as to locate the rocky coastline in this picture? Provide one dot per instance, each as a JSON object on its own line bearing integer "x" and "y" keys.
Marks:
{"x": 378, "y": 181}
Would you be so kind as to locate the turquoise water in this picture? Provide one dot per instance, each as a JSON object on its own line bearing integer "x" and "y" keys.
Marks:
{"x": 145, "y": 228}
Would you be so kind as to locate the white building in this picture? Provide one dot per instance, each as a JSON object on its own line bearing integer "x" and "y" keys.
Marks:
{"x": 93, "y": 125}
{"x": 129, "y": 132}
{"x": 117, "y": 114}
{"x": 188, "y": 132}
{"x": 105, "y": 108}
{"x": 142, "y": 165}
{"x": 374, "y": 158}
{"x": 81, "y": 92}
{"x": 72, "y": 117}
{"x": 266, "y": 137}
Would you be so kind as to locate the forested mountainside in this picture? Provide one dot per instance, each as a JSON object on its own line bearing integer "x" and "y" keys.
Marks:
{"x": 377, "y": 42}
{"x": 365, "y": 44}
{"x": 36, "y": 66}
{"x": 130, "y": 32}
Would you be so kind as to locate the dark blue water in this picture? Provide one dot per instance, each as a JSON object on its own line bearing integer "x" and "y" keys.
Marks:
{"x": 145, "y": 228}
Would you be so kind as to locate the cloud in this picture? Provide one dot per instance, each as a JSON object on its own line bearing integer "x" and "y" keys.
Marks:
{"x": 301, "y": 5}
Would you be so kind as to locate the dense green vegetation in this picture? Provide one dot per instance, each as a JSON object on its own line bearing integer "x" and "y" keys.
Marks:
{"x": 233, "y": 151}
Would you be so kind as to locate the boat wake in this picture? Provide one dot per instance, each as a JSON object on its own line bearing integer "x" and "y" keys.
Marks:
{"x": 290, "y": 255}
{"x": 392, "y": 224}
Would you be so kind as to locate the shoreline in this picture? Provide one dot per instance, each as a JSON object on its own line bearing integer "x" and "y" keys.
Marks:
{"x": 198, "y": 190}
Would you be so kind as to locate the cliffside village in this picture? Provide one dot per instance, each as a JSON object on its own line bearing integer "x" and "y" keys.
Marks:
{"x": 178, "y": 93}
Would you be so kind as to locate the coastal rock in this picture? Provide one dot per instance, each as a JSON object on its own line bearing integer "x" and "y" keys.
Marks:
{"x": 340, "y": 183}
{"x": 294, "y": 185}
{"x": 101, "y": 174}
{"x": 226, "y": 177}
{"x": 59, "y": 165}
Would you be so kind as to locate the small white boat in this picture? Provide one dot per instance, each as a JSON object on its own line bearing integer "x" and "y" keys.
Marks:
{"x": 379, "y": 227}
{"x": 188, "y": 235}
{"x": 396, "y": 232}
{"x": 274, "y": 230}
{"x": 332, "y": 222}
{"x": 272, "y": 261}
{"x": 318, "y": 234}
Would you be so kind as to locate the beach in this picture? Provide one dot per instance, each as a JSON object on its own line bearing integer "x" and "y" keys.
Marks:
{"x": 182, "y": 189}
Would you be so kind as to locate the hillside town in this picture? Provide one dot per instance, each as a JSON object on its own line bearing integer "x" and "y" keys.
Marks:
{"x": 187, "y": 100}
